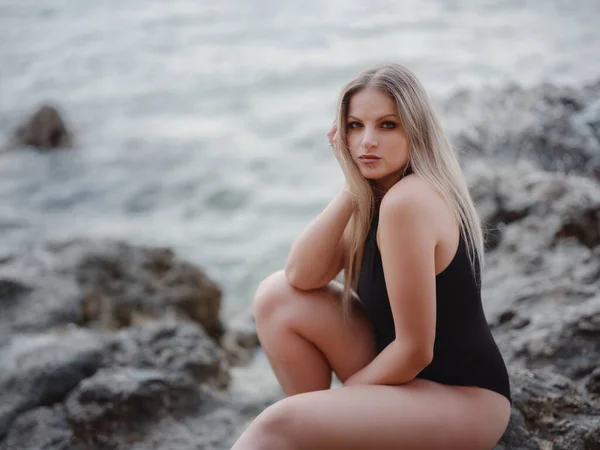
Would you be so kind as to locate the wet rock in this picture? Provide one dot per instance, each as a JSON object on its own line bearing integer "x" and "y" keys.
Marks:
{"x": 516, "y": 436}
{"x": 569, "y": 205}
{"x": 45, "y": 129}
{"x": 549, "y": 411}
{"x": 42, "y": 428}
{"x": 170, "y": 346}
{"x": 160, "y": 375}
{"x": 105, "y": 345}
{"x": 114, "y": 403}
{"x": 593, "y": 384}
{"x": 241, "y": 340}
{"x": 121, "y": 281}
{"x": 40, "y": 370}
{"x": 35, "y": 304}
{"x": 145, "y": 364}
{"x": 105, "y": 285}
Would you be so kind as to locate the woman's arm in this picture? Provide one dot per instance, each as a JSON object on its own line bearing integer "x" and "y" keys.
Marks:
{"x": 317, "y": 255}
{"x": 407, "y": 245}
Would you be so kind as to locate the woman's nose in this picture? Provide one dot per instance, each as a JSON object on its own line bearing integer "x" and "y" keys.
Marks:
{"x": 369, "y": 141}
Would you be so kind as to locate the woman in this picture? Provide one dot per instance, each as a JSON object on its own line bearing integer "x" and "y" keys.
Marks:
{"x": 406, "y": 333}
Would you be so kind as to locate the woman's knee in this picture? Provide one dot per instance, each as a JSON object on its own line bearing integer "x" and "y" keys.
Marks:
{"x": 274, "y": 427}
{"x": 269, "y": 295}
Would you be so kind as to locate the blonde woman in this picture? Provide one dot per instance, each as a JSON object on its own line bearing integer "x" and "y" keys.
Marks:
{"x": 406, "y": 333}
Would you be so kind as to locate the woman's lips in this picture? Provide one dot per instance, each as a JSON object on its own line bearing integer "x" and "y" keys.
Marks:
{"x": 369, "y": 159}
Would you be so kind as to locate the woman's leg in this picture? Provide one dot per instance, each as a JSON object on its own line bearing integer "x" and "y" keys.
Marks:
{"x": 419, "y": 415}
{"x": 305, "y": 336}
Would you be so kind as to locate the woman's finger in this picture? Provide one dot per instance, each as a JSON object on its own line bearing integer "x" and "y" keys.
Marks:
{"x": 332, "y": 135}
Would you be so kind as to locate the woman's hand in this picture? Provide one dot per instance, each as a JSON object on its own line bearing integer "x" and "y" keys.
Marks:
{"x": 332, "y": 135}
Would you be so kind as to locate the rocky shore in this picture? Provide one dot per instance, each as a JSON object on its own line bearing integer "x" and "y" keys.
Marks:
{"x": 105, "y": 345}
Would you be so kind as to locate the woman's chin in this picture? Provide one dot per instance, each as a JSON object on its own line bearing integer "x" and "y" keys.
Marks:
{"x": 371, "y": 174}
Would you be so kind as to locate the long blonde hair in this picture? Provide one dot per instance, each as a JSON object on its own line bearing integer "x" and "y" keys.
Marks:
{"x": 431, "y": 157}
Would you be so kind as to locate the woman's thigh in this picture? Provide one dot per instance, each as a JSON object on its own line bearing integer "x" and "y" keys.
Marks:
{"x": 419, "y": 415}
{"x": 347, "y": 342}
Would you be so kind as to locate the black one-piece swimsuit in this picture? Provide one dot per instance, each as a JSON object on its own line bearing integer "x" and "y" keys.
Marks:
{"x": 465, "y": 352}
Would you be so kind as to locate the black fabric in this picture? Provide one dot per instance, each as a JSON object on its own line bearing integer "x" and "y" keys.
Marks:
{"x": 465, "y": 352}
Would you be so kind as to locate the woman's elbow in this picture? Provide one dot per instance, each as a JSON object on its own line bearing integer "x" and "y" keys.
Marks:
{"x": 427, "y": 357}
{"x": 298, "y": 281}
{"x": 423, "y": 357}
{"x": 293, "y": 279}
{"x": 419, "y": 356}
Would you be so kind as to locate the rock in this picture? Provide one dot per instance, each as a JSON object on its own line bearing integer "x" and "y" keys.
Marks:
{"x": 41, "y": 370}
{"x": 105, "y": 285}
{"x": 549, "y": 411}
{"x": 240, "y": 340}
{"x": 569, "y": 205}
{"x": 45, "y": 129}
{"x": 146, "y": 409}
{"x": 593, "y": 384}
{"x": 44, "y": 428}
{"x": 516, "y": 436}
{"x": 145, "y": 374}
{"x": 170, "y": 346}
{"x": 144, "y": 281}
{"x": 556, "y": 127}
{"x": 122, "y": 402}
{"x": 35, "y": 303}
{"x": 150, "y": 386}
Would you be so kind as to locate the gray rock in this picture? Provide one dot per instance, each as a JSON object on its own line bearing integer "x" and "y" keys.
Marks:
{"x": 517, "y": 436}
{"x": 41, "y": 370}
{"x": 593, "y": 383}
{"x": 41, "y": 429}
{"x": 144, "y": 374}
{"x": 170, "y": 346}
{"x": 35, "y": 303}
{"x": 568, "y": 206}
{"x": 160, "y": 384}
{"x": 45, "y": 129}
{"x": 241, "y": 340}
{"x": 549, "y": 411}
{"x": 120, "y": 403}
{"x": 103, "y": 284}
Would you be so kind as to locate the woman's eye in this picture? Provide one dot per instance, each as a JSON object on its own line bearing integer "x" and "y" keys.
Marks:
{"x": 353, "y": 125}
{"x": 389, "y": 125}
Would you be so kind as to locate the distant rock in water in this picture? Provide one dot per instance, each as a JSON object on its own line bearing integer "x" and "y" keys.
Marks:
{"x": 556, "y": 127}
{"x": 45, "y": 129}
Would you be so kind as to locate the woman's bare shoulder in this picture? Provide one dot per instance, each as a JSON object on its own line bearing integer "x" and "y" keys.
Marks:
{"x": 417, "y": 205}
{"x": 412, "y": 193}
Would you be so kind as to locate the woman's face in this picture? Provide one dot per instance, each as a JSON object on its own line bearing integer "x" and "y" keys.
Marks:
{"x": 378, "y": 145}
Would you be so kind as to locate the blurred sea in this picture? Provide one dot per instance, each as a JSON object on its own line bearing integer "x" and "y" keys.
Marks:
{"x": 201, "y": 125}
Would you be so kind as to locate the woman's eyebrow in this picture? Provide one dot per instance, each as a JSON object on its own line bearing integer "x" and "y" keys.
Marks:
{"x": 377, "y": 120}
